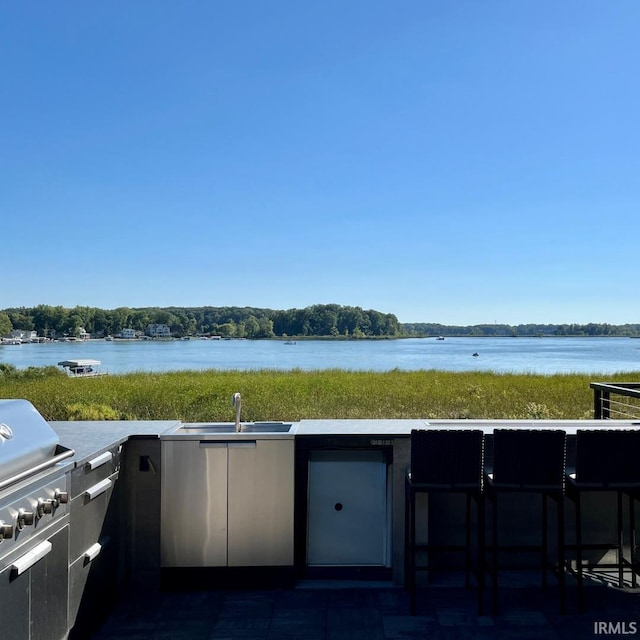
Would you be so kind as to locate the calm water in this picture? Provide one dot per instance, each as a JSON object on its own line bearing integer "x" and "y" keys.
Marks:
{"x": 520, "y": 355}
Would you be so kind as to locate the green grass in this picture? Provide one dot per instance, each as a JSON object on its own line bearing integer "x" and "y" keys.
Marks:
{"x": 293, "y": 395}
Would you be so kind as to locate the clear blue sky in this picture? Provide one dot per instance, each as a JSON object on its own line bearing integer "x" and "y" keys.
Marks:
{"x": 447, "y": 161}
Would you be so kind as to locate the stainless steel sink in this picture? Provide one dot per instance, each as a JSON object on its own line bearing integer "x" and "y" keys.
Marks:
{"x": 204, "y": 428}
{"x": 266, "y": 427}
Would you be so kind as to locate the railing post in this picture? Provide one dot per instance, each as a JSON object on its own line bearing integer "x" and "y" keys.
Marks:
{"x": 606, "y": 405}
{"x": 597, "y": 404}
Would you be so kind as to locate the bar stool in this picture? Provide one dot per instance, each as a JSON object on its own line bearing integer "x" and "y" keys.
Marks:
{"x": 528, "y": 461}
{"x": 607, "y": 460}
{"x": 445, "y": 461}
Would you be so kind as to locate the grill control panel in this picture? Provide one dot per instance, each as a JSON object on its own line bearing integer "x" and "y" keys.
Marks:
{"x": 29, "y": 508}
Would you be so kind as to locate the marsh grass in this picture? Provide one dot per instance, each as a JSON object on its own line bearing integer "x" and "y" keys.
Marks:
{"x": 196, "y": 396}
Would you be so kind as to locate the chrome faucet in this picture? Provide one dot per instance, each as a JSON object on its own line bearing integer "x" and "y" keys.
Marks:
{"x": 236, "y": 401}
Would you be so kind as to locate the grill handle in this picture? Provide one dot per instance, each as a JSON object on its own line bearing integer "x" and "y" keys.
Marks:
{"x": 66, "y": 453}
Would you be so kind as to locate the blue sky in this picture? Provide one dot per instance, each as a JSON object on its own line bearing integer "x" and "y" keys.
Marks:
{"x": 453, "y": 161}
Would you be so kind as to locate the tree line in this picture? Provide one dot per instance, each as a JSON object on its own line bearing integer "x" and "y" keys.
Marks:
{"x": 320, "y": 320}
{"x": 233, "y": 322}
{"x": 424, "y": 329}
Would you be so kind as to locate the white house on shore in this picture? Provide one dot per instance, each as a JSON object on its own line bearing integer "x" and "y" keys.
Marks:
{"x": 128, "y": 334}
{"x": 158, "y": 331}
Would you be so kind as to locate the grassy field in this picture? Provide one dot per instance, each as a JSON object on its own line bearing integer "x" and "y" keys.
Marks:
{"x": 293, "y": 395}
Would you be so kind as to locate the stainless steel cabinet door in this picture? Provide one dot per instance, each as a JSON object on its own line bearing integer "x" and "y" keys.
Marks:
{"x": 33, "y": 604}
{"x": 261, "y": 501}
{"x": 49, "y": 590}
{"x": 194, "y": 504}
{"x": 14, "y": 605}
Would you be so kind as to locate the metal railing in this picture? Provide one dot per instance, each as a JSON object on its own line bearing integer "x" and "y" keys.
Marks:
{"x": 616, "y": 401}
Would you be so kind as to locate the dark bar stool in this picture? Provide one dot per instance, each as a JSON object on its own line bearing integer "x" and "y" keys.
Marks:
{"x": 445, "y": 461}
{"x": 532, "y": 462}
{"x": 607, "y": 460}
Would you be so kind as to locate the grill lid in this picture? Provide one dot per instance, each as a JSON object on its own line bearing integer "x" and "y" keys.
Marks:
{"x": 26, "y": 439}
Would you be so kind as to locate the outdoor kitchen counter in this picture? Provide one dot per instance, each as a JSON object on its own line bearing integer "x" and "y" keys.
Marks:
{"x": 89, "y": 438}
{"x": 364, "y": 427}
{"x": 391, "y": 428}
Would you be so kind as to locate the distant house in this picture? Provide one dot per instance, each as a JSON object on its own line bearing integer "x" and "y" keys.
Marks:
{"x": 83, "y": 335}
{"x": 158, "y": 331}
{"x": 23, "y": 335}
{"x": 129, "y": 334}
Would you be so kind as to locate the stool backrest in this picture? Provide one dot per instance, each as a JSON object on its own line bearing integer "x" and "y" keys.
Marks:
{"x": 608, "y": 457}
{"x": 529, "y": 458}
{"x": 447, "y": 457}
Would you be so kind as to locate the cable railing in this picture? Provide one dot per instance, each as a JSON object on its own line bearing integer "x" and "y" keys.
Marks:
{"x": 616, "y": 401}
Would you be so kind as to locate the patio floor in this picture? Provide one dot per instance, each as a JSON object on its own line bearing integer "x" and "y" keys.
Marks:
{"x": 375, "y": 611}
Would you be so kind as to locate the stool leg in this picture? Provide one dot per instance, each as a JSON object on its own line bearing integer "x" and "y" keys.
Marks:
{"x": 494, "y": 557}
{"x": 407, "y": 548}
{"x": 467, "y": 559}
{"x": 412, "y": 556}
{"x": 545, "y": 543}
{"x": 561, "y": 555}
{"x": 579, "y": 551}
{"x": 620, "y": 541}
{"x": 481, "y": 551}
{"x": 632, "y": 539}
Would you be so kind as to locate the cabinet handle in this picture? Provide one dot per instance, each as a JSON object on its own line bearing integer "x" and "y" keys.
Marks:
{"x": 98, "y": 489}
{"x": 31, "y": 557}
{"x": 103, "y": 458}
{"x": 95, "y": 549}
{"x": 208, "y": 444}
{"x": 243, "y": 444}
{"x": 92, "y": 552}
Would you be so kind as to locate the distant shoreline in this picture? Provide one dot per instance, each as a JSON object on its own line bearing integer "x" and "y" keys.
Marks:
{"x": 285, "y": 339}
{"x": 319, "y": 321}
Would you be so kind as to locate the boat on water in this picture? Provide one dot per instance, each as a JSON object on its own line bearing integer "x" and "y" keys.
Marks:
{"x": 82, "y": 368}
{"x": 290, "y": 342}
{"x": 440, "y": 338}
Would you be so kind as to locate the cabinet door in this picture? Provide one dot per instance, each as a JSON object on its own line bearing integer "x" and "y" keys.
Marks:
{"x": 261, "y": 495}
{"x": 194, "y": 504}
{"x": 49, "y": 589}
{"x": 14, "y": 605}
{"x": 94, "y": 516}
{"x": 346, "y": 508}
{"x": 33, "y": 605}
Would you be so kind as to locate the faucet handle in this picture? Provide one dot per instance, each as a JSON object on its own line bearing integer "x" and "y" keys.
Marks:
{"x": 235, "y": 399}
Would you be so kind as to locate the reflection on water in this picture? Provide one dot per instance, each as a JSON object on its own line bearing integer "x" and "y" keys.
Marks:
{"x": 502, "y": 355}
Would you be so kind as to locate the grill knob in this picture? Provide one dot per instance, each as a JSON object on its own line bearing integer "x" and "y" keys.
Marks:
{"x": 6, "y": 530}
{"x": 25, "y": 519}
{"x": 60, "y": 497}
{"x": 44, "y": 506}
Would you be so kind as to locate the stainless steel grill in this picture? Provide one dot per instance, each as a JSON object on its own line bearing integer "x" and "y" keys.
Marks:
{"x": 33, "y": 485}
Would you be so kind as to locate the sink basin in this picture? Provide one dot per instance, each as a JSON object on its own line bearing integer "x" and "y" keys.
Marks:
{"x": 266, "y": 427}
{"x": 204, "y": 428}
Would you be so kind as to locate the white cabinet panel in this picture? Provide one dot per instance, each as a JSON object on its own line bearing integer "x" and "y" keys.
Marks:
{"x": 347, "y": 512}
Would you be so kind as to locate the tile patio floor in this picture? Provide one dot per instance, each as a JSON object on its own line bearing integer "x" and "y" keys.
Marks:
{"x": 319, "y": 611}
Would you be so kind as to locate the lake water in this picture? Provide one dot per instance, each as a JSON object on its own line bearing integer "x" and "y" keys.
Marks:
{"x": 503, "y": 355}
